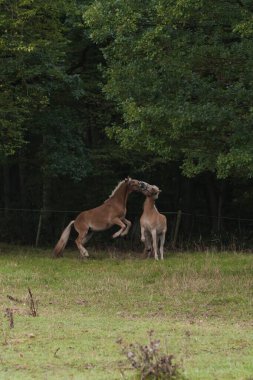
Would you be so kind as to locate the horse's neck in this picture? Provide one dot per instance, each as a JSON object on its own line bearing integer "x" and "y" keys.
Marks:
{"x": 149, "y": 204}
{"x": 121, "y": 194}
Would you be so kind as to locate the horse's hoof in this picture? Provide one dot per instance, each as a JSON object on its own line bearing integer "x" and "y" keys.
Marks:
{"x": 55, "y": 256}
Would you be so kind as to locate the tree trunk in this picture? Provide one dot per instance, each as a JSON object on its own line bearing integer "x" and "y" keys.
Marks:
{"x": 6, "y": 188}
{"x": 222, "y": 189}
{"x": 187, "y": 204}
{"x": 43, "y": 219}
{"x": 21, "y": 172}
{"x": 25, "y": 217}
{"x": 212, "y": 200}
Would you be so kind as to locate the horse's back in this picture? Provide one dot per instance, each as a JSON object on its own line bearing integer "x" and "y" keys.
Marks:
{"x": 154, "y": 221}
{"x": 99, "y": 218}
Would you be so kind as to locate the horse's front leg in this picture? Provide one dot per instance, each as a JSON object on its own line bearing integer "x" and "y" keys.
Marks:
{"x": 154, "y": 238}
{"x": 162, "y": 240}
{"x": 148, "y": 244}
{"x": 142, "y": 234}
{"x": 118, "y": 222}
{"x": 128, "y": 223}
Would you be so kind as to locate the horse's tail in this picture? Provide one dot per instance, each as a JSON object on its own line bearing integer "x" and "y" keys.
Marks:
{"x": 62, "y": 241}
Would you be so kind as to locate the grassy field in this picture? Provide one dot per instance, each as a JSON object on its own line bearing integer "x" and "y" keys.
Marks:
{"x": 198, "y": 304}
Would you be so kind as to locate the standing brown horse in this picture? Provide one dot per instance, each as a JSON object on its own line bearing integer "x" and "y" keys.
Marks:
{"x": 153, "y": 225}
{"x": 111, "y": 212}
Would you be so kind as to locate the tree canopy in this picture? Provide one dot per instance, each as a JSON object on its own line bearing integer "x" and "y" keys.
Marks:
{"x": 181, "y": 74}
{"x": 32, "y": 63}
{"x": 35, "y": 44}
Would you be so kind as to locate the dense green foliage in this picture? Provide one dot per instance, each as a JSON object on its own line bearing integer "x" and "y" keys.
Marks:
{"x": 39, "y": 86}
{"x": 181, "y": 73}
{"x": 93, "y": 91}
{"x": 32, "y": 63}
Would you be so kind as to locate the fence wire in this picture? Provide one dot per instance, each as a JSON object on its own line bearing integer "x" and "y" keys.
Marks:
{"x": 185, "y": 230}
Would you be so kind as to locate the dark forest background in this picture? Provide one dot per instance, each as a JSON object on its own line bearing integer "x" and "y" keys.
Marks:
{"x": 94, "y": 91}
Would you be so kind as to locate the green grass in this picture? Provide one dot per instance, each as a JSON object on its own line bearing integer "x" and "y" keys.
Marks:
{"x": 198, "y": 304}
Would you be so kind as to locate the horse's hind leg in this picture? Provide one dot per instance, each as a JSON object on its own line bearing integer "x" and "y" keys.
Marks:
{"x": 82, "y": 239}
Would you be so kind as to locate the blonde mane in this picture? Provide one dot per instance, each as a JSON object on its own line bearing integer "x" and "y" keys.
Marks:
{"x": 114, "y": 191}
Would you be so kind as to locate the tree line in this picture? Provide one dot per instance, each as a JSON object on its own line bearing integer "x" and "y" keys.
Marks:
{"x": 93, "y": 91}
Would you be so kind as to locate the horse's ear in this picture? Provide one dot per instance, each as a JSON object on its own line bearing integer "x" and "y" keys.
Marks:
{"x": 160, "y": 191}
{"x": 127, "y": 179}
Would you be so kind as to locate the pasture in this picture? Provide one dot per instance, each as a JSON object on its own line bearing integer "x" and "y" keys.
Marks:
{"x": 198, "y": 304}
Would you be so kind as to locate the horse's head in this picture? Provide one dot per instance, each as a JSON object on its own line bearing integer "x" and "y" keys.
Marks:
{"x": 141, "y": 186}
{"x": 154, "y": 192}
{"x": 149, "y": 190}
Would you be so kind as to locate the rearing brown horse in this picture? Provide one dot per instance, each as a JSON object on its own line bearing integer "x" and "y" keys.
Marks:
{"x": 111, "y": 212}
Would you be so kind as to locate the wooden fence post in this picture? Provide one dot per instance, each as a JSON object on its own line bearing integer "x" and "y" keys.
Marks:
{"x": 179, "y": 215}
{"x": 39, "y": 229}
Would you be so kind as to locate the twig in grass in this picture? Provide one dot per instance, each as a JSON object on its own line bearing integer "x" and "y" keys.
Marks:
{"x": 55, "y": 353}
{"x": 9, "y": 315}
{"x": 14, "y": 299}
{"x": 33, "y": 308}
